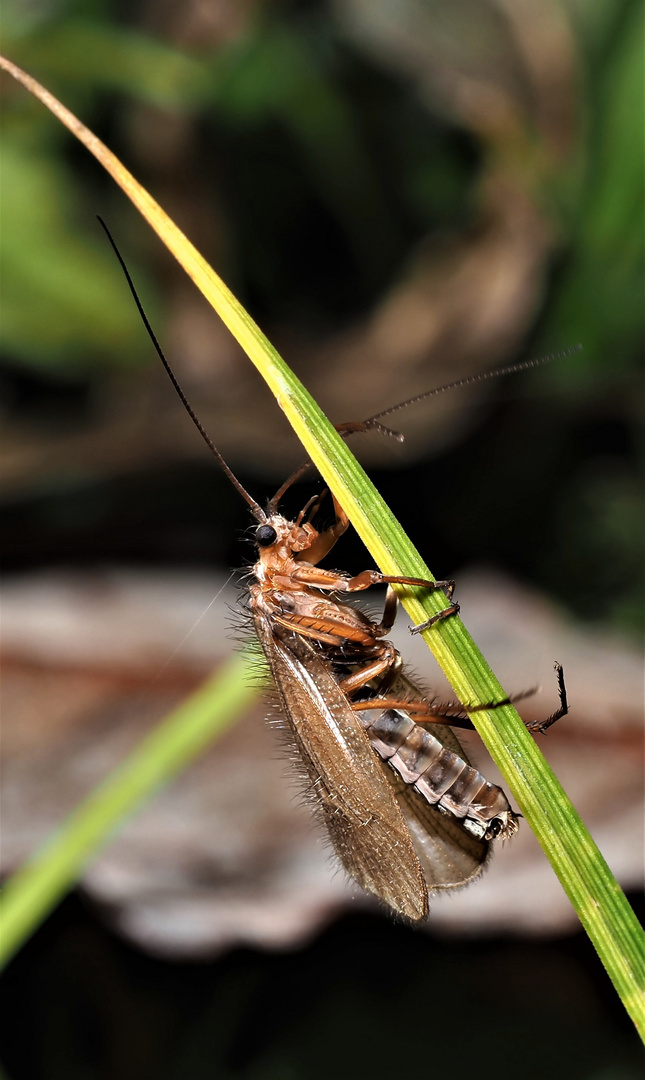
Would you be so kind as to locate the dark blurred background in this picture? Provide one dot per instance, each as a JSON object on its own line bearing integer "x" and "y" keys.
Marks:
{"x": 401, "y": 195}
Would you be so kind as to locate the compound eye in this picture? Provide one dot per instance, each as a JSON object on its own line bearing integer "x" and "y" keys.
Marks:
{"x": 265, "y": 535}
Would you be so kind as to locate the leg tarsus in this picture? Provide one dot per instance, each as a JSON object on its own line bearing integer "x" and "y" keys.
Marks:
{"x": 535, "y": 727}
{"x": 538, "y": 727}
{"x": 444, "y": 614}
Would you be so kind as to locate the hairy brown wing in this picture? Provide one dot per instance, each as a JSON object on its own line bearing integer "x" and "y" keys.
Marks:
{"x": 449, "y": 854}
{"x": 364, "y": 819}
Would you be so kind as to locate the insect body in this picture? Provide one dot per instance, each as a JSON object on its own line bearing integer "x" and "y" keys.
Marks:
{"x": 405, "y": 812}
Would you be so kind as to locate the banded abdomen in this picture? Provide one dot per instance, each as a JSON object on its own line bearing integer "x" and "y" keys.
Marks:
{"x": 441, "y": 776}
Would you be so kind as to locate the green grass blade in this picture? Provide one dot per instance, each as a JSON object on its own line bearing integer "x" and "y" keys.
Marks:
{"x": 41, "y": 883}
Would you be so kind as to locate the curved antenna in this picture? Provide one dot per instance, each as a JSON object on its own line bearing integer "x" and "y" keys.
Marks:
{"x": 256, "y": 509}
{"x": 295, "y": 475}
{"x": 345, "y": 430}
{"x": 373, "y": 422}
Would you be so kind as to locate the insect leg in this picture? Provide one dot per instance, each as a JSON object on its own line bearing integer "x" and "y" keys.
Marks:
{"x": 438, "y": 712}
{"x": 535, "y": 726}
{"x": 310, "y": 507}
{"x": 449, "y": 588}
{"x": 323, "y": 545}
{"x": 540, "y": 726}
{"x": 389, "y": 613}
{"x": 443, "y": 614}
{"x": 510, "y": 700}
{"x": 450, "y": 712}
{"x": 374, "y": 577}
{"x": 387, "y": 663}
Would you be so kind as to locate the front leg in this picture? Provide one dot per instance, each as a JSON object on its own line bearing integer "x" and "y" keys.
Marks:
{"x": 373, "y": 577}
{"x": 332, "y": 580}
{"x": 392, "y": 603}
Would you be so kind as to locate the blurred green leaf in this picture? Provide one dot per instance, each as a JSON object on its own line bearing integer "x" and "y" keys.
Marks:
{"x": 97, "y": 54}
{"x": 275, "y": 72}
{"x": 65, "y": 311}
{"x": 599, "y": 300}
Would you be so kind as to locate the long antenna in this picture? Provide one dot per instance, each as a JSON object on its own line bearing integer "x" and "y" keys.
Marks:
{"x": 373, "y": 422}
{"x": 256, "y": 509}
{"x": 466, "y": 381}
